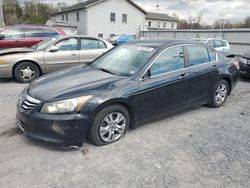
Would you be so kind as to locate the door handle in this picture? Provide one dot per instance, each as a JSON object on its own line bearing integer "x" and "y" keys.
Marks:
{"x": 73, "y": 54}
{"x": 182, "y": 76}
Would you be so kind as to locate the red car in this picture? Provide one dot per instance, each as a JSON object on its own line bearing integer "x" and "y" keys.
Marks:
{"x": 26, "y": 35}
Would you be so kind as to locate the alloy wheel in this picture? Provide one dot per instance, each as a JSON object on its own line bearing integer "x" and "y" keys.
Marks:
{"x": 27, "y": 73}
{"x": 112, "y": 127}
{"x": 221, "y": 93}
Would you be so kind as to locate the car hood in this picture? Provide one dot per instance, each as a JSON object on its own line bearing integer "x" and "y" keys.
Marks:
{"x": 15, "y": 51}
{"x": 70, "y": 82}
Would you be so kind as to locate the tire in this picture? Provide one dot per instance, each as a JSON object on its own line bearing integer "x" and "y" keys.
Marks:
{"x": 26, "y": 72}
{"x": 220, "y": 94}
{"x": 102, "y": 132}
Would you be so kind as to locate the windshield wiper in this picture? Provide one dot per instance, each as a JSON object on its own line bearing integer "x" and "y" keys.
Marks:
{"x": 105, "y": 70}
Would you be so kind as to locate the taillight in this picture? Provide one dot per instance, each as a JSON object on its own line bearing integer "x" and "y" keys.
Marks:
{"x": 237, "y": 65}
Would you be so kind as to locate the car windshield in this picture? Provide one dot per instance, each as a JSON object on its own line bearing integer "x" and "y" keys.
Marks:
{"x": 44, "y": 44}
{"x": 124, "y": 60}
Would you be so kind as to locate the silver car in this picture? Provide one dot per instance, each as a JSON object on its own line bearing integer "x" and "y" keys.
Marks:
{"x": 219, "y": 44}
{"x": 26, "y": 64}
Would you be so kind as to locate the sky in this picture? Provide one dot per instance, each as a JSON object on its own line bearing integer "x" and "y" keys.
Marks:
{"x": 211, "y": 10}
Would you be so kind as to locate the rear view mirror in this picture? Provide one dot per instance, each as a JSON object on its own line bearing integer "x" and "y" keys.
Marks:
{"x": 2, "y": 37}
{"x": 54, "y": 49}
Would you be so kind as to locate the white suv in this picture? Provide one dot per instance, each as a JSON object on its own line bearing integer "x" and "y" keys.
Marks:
{"x": 218, "y": 44}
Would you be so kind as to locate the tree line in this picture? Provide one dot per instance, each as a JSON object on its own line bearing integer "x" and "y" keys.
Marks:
{"x": 197, "y": 23}
{"x": 32, "y": 12}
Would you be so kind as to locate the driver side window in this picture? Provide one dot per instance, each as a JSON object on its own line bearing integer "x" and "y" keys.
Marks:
{"x": 170, "y": 60}
{"x": 67, "y": 45}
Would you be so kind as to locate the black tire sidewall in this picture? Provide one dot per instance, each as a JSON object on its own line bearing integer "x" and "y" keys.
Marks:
{"x": 17, "y": 71}
{"x": 214, "y": 103}
{"x": 94, "y": 129}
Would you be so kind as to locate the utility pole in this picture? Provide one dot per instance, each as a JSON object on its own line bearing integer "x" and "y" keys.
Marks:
{"x": 1, "y": 15}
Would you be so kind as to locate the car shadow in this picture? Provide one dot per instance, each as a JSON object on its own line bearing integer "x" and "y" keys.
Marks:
{"x": 169, "y": 116}
{"x": 244, "y": 78}
{"x": 7, "y": 80}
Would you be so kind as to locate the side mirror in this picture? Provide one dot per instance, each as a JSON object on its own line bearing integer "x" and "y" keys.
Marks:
{"x": 2, "y": 37}
{"x": 147, "y": 75}
{"x": 54, "y": 49}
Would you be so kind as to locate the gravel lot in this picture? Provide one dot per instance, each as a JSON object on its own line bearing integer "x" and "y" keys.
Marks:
{"x": 204, "y": 147}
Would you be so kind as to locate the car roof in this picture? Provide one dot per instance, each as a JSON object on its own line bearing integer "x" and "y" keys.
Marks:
{"x": 162, "y": 43}
{"x": 31, "y": 26}
{"x": 79, "y": 36}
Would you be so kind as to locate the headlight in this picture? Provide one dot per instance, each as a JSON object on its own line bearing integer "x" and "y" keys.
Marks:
{"x": 244, "y": 60}
{"x": 2, "y": 62}
{"x": 65, "y": 106}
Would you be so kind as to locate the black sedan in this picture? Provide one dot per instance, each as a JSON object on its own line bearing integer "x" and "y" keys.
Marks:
{"x": 126, "y": 86}
{"x": 244, "y": 61}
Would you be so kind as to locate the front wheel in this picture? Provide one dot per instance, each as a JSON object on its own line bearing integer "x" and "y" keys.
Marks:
{"x": 26, "y": 72}
{"x": 220, "y": 94}
{"x": 109, "y": 125}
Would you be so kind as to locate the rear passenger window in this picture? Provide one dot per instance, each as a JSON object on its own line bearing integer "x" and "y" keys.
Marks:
{"x": 49, "y": 32}
{"x": 102, "y": 45}
{"x": 170, "y": 60}
{"x": 32, "y": 32}
{"x": 218, "y": 43}
{"x": 224, "y": 43}
{"x": 88, "y": 44}
{"x": 212, "y": 55}
{"x": 197, "y": 55}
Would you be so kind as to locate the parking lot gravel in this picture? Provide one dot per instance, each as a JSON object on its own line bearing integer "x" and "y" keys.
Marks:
{"x": 202, "y": 147}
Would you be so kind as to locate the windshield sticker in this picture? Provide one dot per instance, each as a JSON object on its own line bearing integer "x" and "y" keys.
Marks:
{"x": 147, "y": 49}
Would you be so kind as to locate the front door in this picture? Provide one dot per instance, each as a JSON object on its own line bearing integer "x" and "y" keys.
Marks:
{"x": 67, "y": 54}
{"x": 164, "y": 87}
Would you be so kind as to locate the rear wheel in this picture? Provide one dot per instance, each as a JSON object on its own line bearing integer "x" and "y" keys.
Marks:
{"x": 220, "y": 94}
{"x": 26, "y": 72}
{"x": 109, "y": 125}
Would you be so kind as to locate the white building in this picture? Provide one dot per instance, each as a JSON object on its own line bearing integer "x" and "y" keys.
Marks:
{"x": 104, "y": 18}
{"x": 157, "y": 21}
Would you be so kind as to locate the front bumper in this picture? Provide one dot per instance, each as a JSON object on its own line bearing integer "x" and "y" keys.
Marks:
{"x": 64, "y": 130}
{"x": 244, "y": 69}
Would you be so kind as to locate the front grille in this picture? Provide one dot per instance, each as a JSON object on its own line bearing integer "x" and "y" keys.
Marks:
{"x": 29, "y": 103}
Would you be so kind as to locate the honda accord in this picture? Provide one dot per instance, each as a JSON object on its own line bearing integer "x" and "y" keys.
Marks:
{"x": 123, "y": 88}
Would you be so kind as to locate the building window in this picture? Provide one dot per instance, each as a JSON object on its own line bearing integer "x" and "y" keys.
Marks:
{"x": 164, "y": 24}
{"x": 172, "y": 25}
{"x": 159, "y": 24}
{"x": 67, "y": 17}
{"x": 124, "y": 18}
{"x": 149, "y": 24}
{"x": 62, "y": 17}
{"x": 77, "y": 16}
{"x": 112, "y": 17}
{"x": 100, "y": 35}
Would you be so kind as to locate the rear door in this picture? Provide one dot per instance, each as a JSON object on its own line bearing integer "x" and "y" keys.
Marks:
{"x": 163, "y": 89}
{"x": 203, "y": 72}
{"x": 67, "y": 55}
{"x": 32, "y": 36}
{"x": 91, "y": 49}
